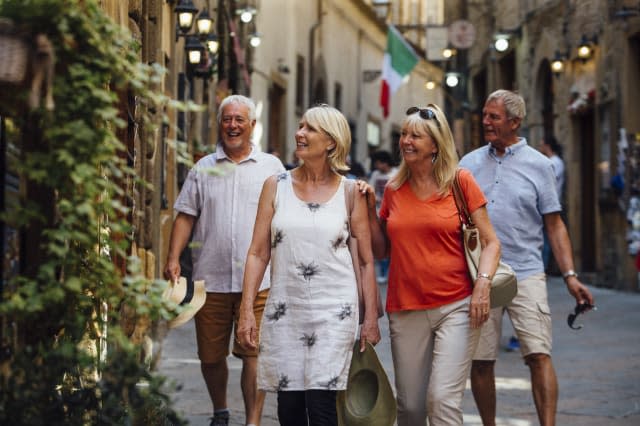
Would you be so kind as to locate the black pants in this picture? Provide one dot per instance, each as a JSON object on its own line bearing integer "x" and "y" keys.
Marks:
{"x": 307, "y": 408}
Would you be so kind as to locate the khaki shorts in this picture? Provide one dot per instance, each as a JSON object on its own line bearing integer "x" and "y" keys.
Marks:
{"x": 217, "y": 319}
{"x": 531, "y": 318}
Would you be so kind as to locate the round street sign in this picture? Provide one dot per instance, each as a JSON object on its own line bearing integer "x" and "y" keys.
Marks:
{"x": 462, "y": 34}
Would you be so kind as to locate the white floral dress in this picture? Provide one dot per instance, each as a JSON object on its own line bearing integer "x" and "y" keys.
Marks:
{"x": 310, "y": 320}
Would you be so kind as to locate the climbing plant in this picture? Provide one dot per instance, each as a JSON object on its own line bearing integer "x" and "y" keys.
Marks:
{"x": 71, "y": 299}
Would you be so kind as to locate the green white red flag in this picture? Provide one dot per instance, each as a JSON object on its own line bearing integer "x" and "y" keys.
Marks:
{"x": 399, "y": 60}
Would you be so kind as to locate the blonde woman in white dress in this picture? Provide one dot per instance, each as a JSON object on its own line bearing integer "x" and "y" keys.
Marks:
{"x": 310, "y": 321}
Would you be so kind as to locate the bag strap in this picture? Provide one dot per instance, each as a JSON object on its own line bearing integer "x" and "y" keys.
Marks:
{"x": 460, "y": 200}
{"x": 348, "y": 199}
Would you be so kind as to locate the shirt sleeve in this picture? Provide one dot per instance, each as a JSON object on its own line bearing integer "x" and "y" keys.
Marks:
{"x": 188, "y": 200}
{"x": 548, "y": 200}
{"x": 472, "y": 192}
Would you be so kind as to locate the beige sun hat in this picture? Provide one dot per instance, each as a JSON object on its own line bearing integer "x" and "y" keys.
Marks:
{"x": 189, "y": 295}
{"x": 369, "y": 399}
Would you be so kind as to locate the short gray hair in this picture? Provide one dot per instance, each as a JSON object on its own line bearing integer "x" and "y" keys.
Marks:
{"x": 512, "y": 101}
{"x": 238, "y": 99}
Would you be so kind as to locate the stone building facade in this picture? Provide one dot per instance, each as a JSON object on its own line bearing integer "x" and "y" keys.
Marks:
{"x": 591, "y": 107}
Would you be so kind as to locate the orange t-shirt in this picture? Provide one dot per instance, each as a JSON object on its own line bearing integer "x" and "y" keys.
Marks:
{"x": 428, "y": 268}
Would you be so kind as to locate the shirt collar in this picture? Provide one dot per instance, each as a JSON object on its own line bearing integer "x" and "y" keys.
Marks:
{"x": 511, "y": 149}
{"x": 222, "y": 156}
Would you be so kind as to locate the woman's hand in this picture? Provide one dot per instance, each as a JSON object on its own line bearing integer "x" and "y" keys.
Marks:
{"x": 479, "y": 307}
{"x": 247, "y": 333}
{"x": 367, "y": 191}
{"x": 369, "y": 332}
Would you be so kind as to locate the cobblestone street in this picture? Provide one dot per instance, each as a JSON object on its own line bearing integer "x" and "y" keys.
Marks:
{"x": 598, "y": 369}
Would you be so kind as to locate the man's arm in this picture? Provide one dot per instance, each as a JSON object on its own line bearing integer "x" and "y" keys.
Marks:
{"x": 563, "y": 252}
{"x": 180, "y": 234}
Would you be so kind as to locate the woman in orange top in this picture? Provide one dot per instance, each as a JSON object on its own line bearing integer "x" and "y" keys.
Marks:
{"x": 435, "y": 309}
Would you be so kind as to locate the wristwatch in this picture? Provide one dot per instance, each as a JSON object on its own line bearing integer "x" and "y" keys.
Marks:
{"x": 569, "y": 273}
{"x": 483, "y": 275}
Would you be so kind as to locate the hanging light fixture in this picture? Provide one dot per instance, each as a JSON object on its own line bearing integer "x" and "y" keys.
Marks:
{"x": 194, "y": 50}
{"x": 557, "y": 64}
{"x": 204, "y": 23}
{"x": 212, "y": 43}
{"x": 452, "y": 79}
{"x": 430, "y": 84}
{"x": 585, "y": 48}
{"x": 186, "y": 12}
{"x": 501, "y": 42}
{"x": 448, "y": 52}
{"x": 246, "y": 13}
{"x": 254, "y": 39}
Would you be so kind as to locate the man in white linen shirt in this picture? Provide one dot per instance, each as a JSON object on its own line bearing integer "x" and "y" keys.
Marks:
{"x": 218, "y": 202}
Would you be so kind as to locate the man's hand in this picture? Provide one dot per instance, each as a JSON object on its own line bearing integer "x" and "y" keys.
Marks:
{"x": 579, "y": 291}
{"x": 172, "y": 270}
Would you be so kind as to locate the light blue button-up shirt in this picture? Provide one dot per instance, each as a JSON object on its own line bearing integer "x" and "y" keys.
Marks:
{"x": 520, "y": 189}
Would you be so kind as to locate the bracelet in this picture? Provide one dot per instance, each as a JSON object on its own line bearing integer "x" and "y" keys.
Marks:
{"x": 569, "y": 273}
{"x": 483, "y": 275}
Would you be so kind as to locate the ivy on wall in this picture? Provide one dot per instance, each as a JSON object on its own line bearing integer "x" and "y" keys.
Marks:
{"x": 72, "y": 297}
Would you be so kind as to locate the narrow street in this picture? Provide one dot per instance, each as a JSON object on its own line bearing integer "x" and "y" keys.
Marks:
{"x": 598, "y": 369}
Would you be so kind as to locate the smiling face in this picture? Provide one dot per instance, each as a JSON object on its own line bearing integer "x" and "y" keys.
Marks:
{"x": 416, "y": 145}
{"x": 312, "y": 142}
{"x": 499, "y": 130}
{"x": 236, "y": 129}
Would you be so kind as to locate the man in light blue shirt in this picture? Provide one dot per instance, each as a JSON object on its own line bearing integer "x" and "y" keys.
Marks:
{"x": 519, "y": 184}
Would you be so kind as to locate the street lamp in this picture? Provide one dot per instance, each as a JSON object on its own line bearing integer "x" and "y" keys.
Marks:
{"x": 186, "y": 11}
{"x": 194, "y": 50}
{"x": 452, "y": 79}
{"x": 204, "y": 23}
{"x": 502, "y": 44}
{"x": 246, "y": 13}
{"x": 585, "y": 47}
{"x": 430, "y": 84}
{"x": 448, "y": 52}
{"x": 254, "y": 39}
{"x": 212, "y": 43}
{"x": 557, "y": 64}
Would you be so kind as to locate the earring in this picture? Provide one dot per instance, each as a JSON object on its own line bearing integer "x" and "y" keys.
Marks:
{"x": 434, "y": 157}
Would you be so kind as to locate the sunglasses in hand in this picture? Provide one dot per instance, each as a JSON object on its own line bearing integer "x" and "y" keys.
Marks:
{"x": 580, "y": 308}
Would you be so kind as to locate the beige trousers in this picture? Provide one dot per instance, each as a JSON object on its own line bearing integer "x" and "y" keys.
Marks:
{"x": 432, "y": 351}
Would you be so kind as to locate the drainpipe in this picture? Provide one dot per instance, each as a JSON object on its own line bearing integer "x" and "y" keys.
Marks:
{"x": 312, "y": 53}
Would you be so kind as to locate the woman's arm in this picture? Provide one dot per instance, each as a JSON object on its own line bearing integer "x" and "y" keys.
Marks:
{"x": 489, "y": 258}
{"x": 258, "y": 258}
{"x": 377, "y": 226}
{"x": 361, "y": 231}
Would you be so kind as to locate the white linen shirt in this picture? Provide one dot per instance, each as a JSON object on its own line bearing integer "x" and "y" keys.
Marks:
{"x": 223, "y": 196}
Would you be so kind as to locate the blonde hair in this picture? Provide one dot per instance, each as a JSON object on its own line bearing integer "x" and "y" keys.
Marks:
{"x": 335, "y": 125}
{"x": 446, "y": 160}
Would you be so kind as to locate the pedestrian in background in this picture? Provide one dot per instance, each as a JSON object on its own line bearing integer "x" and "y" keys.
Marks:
{"x": 520, "y": 185}
{"x": 435, "y": 308}
{"x": 218, "y": 203}
{"x": 311, "y": 316}
{"x": 381, "y": 172}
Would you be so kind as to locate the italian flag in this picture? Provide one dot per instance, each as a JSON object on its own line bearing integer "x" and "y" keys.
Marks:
{"x": 399, "y": 60}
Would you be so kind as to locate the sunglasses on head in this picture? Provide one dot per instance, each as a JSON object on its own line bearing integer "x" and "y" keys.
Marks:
{"x": 424, "y": 113}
